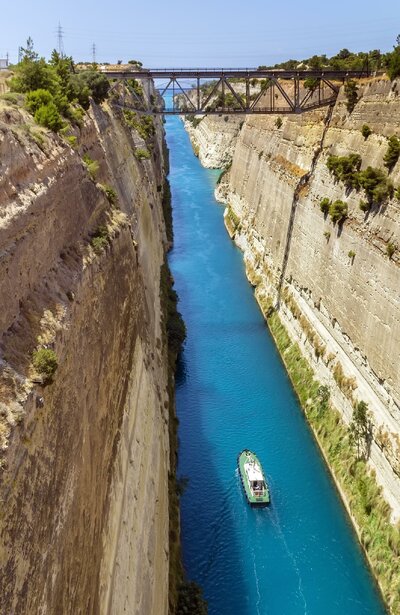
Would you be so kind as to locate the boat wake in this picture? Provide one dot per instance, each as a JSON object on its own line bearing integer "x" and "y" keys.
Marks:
{"x": 280, "y": 533}
{"x": 257, "y": 582}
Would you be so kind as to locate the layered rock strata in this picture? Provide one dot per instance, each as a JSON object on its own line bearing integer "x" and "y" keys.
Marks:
{"x": 336, "y": 285}
{"x": 84, "y": 458}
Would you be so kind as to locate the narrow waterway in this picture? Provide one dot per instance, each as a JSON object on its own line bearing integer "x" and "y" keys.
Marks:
{"x": 299, "y": 556}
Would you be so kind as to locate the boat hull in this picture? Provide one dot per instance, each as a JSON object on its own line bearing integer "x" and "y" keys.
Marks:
{"x": 261, "y": 501}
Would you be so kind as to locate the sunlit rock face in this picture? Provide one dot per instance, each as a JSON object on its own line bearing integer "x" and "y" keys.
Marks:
{"x": 84, "y": 459}
{"x": 337, "y": 285}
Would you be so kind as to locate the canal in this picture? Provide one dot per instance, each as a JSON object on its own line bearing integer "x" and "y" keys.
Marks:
{"x": 299, "y": 556}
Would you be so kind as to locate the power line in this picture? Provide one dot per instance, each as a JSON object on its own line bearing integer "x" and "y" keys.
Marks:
{"x": 60, "y": 33}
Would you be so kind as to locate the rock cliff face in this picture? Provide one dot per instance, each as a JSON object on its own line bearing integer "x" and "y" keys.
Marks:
{"x": 336, "y": 287}
{"x": 214, "y": 144}
{"x": 85, "y": 459}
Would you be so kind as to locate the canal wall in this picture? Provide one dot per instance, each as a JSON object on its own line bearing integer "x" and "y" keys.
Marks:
{"x": 85, "y": 456}
{"x": 334, "y": 286}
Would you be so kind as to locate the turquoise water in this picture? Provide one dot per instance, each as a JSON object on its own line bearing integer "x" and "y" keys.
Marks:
{"x": 300, "y": 555}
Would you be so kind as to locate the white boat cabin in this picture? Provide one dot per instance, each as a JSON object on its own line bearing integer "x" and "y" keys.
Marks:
{"x": 255, "y": 478}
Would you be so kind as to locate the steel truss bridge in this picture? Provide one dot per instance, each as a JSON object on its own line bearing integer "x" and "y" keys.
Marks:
{"x": 229, "y": 91}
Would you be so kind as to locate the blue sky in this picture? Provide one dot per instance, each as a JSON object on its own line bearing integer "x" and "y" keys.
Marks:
{"x": 207, "y": 33}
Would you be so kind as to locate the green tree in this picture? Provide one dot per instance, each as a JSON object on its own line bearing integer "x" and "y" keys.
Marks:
{"x": 343, "y": 54}
{"x": 324, "y": 205}
{"x": 64, "y": 67}
{"x": 360, "y": 429}
{"x": 33, "y": 73}
{"x": 49, "y": 117}
{"x": 345, "y": 168}
{"x": 338, "y": 211}
{"x": 394, "y": 61}
{"x": 366, "y": 131}
{"x": 375, "y": 59}
{"x": 393, "y": 152}
{"x": 315, "y": 62}
{"x": 37, "y": 98}
{"x": 28, "y": 52}
{"x": 89, "y": 83}
{"x": 351, "y": 91}
{"x": 375, "y": 183}
{"x": 310, "y": 83}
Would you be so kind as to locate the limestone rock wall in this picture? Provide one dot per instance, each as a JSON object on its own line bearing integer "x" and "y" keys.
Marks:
{"x": 214, "y": 147}
{"x": 84, "y": 460}
{"x": 338, "y": 280}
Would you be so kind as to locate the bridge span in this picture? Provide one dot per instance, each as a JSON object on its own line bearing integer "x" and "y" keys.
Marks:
{"x": 231, "y": 91}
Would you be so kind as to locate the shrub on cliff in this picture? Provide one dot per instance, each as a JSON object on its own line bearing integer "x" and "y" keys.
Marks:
{"x": 393, "y": 152}
{"x": 338, "y": 211}
{"x": 390, "y": 249}
{"x": 100, "y": 239}
{"x": 37, "y": 98}
{"x": 175, "y": 327}
{"x": 360, "y": 430}
{"x": 89, "y": 83}
{"x": 143, "y": 124}
{"x": 324, "y": 205}
{"x": 191, "y": 600}
{"x": 311, "y": 83}
{"x": 167, "y": 210}
{"x": 45, "y": 363}
{"x": 351, "y": 92}
{"x": 49, "y": 117}
{"x": 345, "y": 168}
{"x": 111, "y": 194}
{"x": 142, "y": 154}
{"x": 91, "y": 165}
{"x": 366, "y": 131}
{"x": 375, "y": 183}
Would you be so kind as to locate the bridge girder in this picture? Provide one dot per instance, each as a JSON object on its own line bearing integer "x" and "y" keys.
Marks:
{"x": 248, "y": 91}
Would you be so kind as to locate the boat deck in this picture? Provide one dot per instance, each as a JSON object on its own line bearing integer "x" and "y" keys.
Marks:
{"x": 254, "y": 500}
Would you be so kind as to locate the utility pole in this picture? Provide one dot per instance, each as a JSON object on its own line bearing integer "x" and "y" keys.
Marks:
{"x": 60, "y": 33}
{"x": 19, "y": 54}
{"x": 94, "y": 53}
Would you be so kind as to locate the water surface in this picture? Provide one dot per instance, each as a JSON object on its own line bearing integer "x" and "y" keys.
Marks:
{"x": 300, "y": 555}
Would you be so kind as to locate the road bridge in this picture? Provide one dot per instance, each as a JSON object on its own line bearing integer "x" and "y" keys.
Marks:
{"x": 231, "y": 91}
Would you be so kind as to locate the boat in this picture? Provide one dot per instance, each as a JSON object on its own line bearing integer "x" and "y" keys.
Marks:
{"x": 253, "y": 479}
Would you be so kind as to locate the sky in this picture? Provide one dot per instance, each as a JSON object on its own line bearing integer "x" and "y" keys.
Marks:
{"x": 210, "y": 33}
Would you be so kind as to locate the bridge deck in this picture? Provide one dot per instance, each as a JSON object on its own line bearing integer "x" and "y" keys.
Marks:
{"x": 234, "y": 91}
{"x": 229, "y": 73}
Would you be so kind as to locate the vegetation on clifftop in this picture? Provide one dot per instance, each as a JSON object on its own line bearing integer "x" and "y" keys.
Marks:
{"x": 349, "y": 60}
{"x": 54, "y": 92}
